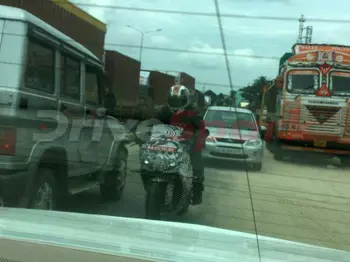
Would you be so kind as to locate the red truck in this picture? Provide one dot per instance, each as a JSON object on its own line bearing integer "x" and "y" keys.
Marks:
{"x": 186, "y": 80}
{"x": 138, "y": 93}
{"x": 156, "y": 85}
{"x": 309, "y": 106}
{"x": 67, "y": 18}
{"x": 123, "y": 80}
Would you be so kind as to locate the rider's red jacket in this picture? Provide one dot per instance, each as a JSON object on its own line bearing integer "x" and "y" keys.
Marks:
{"x": 190, "y": 121}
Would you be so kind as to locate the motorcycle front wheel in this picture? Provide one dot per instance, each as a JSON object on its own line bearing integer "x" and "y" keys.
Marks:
{"x": 155, "y": 200}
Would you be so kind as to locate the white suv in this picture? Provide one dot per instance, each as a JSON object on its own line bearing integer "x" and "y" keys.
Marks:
{"x": 51, "y": 95}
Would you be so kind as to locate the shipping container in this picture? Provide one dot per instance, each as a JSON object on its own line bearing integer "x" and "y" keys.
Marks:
{"x": 159, "y": 85}
{"x": 200, "y": 100}
{"x": 67, "y": 18}
{"x": 123, "y": 75}
{"x": 188, "y": 81}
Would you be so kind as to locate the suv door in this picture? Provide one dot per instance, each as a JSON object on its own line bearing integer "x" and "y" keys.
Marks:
{"x": 97, "y": 129}
{"x": 71, "y": 108}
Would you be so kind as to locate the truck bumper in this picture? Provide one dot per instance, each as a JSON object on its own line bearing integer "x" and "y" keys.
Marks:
{"x": 316, "y": 150}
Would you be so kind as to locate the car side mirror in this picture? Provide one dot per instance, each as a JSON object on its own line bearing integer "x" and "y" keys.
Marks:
{"x": 207, "y": 133}
{"x": 279, "y": 82}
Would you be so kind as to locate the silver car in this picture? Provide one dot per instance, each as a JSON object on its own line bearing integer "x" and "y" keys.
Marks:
{"x": 234, "y": 135}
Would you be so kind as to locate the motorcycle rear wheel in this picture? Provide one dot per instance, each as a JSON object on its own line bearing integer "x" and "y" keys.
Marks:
{"x": 155, "y": 200}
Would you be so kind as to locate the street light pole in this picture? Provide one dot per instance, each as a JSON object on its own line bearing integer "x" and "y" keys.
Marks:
{"x": 141, "y": 46}
{"x": 142, "y": 37}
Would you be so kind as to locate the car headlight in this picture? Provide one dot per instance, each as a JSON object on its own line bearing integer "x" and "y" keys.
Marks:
{"x": 253, "y": 143}
{"x": 211, "y": 139}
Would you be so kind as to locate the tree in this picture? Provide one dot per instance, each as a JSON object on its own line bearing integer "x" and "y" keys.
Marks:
{"x": 212, "y": 96}
{"x": 253, "y": 93}
{"x": 233, "y": 93}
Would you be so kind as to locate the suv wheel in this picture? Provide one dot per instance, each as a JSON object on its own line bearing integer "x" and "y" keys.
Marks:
{"x": 114, "y": 182}
{"x": 44, "y": 192}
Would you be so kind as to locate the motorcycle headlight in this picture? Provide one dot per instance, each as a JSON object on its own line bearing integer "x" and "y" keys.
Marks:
{"x": 253, "y": 143}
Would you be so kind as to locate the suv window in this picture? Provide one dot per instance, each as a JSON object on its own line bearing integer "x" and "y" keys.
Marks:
{"x": 70, "y": 77}
{"x": 92, "y": 85}
{"x": 40, "y": 67}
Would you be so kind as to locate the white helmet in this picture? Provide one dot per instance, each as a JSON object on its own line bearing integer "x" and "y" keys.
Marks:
{"x": 179, "y": 97}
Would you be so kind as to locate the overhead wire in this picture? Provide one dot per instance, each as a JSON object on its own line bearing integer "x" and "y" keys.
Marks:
{"x": 227, "y": 62}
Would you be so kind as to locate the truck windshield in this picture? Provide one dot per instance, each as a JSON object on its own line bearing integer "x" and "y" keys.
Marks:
{"x": 302, "y": 81}
{"x": 340, "y": 83}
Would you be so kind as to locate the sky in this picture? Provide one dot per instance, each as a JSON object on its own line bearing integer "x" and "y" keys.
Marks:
{"x": 254, "y": 45}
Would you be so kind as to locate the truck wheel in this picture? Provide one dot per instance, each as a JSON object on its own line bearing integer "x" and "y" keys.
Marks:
{"x": 184, "y": 210}
{"x": 345, "y": 161}
{"x": 44, "y": 194}
{"x": 114, "y": 182}
{"x": 278, "y": 154}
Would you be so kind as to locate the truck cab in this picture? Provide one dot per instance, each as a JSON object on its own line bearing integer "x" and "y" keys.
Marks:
{"x": 309, "y": 106}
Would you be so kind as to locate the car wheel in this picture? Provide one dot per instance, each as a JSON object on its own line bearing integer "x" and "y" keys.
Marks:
{"x": 44, "y": 193}
{"x": 114, "y": 182}
{"x": 257, "y": 167}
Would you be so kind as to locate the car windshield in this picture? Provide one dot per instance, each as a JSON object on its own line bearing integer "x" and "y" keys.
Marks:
{"x": 230, "y": 119}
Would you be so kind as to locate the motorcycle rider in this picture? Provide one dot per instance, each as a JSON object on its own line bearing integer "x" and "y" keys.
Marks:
{"x": 181, "y": 111}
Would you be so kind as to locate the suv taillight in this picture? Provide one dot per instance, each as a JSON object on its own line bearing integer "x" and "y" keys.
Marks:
{"x": 8, "y": 138}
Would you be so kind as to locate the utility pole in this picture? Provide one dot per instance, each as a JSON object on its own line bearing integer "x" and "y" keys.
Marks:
{"x": 142, "y": 38}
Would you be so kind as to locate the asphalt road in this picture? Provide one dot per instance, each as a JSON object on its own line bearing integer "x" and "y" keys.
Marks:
{"x": 305, "y": 200}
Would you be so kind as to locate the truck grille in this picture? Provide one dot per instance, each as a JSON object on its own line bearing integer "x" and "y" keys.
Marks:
{"x": 322, "y": 120}
{"x": 347, "y": 122}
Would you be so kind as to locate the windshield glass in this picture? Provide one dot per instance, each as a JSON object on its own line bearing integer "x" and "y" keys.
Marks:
{"x": 302, "y": 81}
{"x": 340, "y": 83}
{"x": 263, "y": 151}
{"x": 230, "y": 119}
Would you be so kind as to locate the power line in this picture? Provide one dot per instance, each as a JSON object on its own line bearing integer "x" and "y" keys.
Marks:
{"x": 210, "y": 14}
{"x": 218, "y": 85}
{"x": 227, "y": 62}
{"x": 176, "y": 50}
{"x": 193, "y": 51}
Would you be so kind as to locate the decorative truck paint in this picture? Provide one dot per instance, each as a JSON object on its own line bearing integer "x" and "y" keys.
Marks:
{"x": 308, "y": 106}
{"x": 62, "y": 14}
